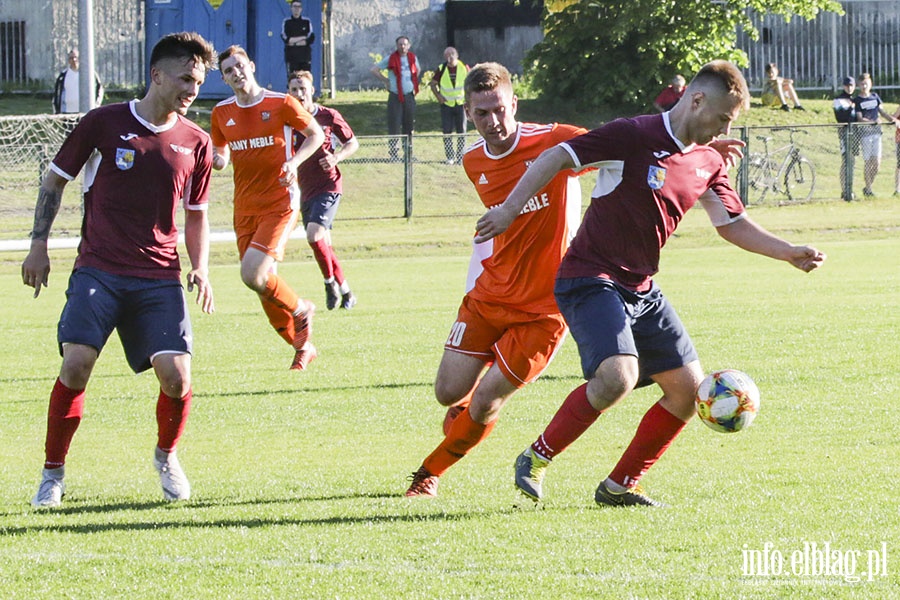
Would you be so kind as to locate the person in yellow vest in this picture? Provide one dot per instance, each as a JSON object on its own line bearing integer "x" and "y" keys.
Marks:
{"x": 447, "y": 85}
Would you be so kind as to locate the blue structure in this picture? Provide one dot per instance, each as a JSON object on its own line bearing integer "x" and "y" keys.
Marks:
{"x": 253, "y": 24}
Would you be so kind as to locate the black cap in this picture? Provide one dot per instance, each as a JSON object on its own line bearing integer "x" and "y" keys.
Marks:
{"x": 849, "y": 81}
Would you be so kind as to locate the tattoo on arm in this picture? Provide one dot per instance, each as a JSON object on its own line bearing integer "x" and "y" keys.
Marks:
{"x": 45, "y": 213}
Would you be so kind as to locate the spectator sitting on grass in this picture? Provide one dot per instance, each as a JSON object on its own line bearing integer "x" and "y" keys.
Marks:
{"x": 778, "y": 90}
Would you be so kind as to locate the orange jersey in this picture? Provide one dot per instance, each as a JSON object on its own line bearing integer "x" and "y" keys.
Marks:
{"x": 518, "y": 267}
{"x": 259, "y": 137}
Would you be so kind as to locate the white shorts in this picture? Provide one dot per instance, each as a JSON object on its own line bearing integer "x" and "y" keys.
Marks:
{"x": 871, "y": 147}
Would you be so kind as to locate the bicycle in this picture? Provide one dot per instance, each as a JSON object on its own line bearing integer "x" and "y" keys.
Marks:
{"x": 794, "y": 176}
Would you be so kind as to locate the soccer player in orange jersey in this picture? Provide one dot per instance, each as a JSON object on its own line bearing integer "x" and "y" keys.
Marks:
{"x": 253, "y": 129}
{"x": 508, "y": 327}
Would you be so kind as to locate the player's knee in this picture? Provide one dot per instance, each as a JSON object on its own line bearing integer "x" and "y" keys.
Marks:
{"x": 175, "y": 385}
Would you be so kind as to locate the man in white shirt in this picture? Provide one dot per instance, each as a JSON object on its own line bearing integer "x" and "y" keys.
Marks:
{"x": 66, "y": 92}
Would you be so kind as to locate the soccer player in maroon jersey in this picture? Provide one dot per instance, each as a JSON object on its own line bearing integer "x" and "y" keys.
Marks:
{"x": 652, "y": 170}
{"x": 142, "y": 160}
{"x": 321, "y": 187}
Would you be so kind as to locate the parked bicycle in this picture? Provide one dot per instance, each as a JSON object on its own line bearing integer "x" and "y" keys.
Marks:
{"x": 783, "y": 171}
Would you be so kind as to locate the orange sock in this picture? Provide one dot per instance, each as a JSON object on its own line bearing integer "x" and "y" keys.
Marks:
{"x": 464, "y": 435}
{"x": 281, "y": 319}
{"x": 279, "y": 293}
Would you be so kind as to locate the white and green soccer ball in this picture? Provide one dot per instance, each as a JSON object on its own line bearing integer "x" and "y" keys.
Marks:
{"x": 727, "y": 400}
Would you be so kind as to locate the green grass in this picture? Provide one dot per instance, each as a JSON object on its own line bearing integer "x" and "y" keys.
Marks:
{"x": 298, "y": 477}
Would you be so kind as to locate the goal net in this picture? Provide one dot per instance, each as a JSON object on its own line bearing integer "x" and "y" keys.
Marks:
{"x": 27, "y": 145}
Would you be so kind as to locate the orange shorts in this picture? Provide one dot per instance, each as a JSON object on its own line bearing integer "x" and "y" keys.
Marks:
{"x": 267, "y": 233}
{"x": 521, "y": 343}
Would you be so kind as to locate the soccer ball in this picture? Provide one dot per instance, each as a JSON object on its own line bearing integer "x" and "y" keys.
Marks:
{"x": 727, "y": 400}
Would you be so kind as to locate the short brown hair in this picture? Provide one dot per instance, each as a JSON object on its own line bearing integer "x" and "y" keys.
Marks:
{"x": 301, "y": 75}
{"x": 727, "y": 78}
{"x": 184, "y": 45}
{"x": 230, "y": 51}
{"x": 485, "y": 77}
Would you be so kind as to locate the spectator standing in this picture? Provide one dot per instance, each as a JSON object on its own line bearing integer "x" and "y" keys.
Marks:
{"x": 321, "y": 187}
{"x": 298, "y": 36}
{"x": 868, "y": 107}
{"x": 447, "y": 86}
{"x": 670, "y": 95}
{"x": 144, "y": 159}
{"x": 66, "y": 93}
{"x": 402, "y": 81}
{"x": 845, "y": 112}
{"x": 253, "y": 130}
{"x": 778, "y": 90}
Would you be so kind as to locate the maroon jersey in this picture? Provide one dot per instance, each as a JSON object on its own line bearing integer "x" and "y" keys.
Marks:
{"x": 312, "y": 178}
{"x": 647, "y": 181}
{"x": 133, "y": 187}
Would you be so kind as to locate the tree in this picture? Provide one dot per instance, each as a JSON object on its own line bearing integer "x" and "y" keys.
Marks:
{"x": 619, "y": 52}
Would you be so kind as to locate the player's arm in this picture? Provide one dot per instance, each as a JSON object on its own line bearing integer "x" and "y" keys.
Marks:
{"x": 747, "y": 235}
{"x": 346, "y": 150}
{"x": 315, "y": 137}
{"x": 498, "y": 219}
{"x": 36, "y": 266}
{"x": 221, "y": 155}
{"x": 196, "y": 240}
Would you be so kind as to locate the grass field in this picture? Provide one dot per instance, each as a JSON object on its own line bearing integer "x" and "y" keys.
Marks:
{"x": 298, "y": 477}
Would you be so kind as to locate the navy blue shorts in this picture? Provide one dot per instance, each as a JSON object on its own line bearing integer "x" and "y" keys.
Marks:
{"x": 321, "y": 209}
{"x": 607, "y": 319}
{"x": 150, "y": 315}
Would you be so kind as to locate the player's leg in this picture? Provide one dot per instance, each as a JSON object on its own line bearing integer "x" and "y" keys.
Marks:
{"x": 598, "y": 314}
{"x": 263, "y": 250}
{"x": 156, "y": 333}
{"x": 319, "y": 213}
{"x": 669, "y": 359}
{"x": 88, "y": 318}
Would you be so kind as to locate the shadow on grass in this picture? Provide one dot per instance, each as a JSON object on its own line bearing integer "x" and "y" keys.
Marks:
{"x": 193, "y": 522}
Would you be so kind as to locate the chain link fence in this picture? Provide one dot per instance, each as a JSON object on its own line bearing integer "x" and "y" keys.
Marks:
{"x": 391, "y": 178}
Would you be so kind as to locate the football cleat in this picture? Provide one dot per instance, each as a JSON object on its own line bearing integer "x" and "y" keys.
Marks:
{"x": 303, "y": 325}
{"x": 51, "y": 489}
{"x": 175, "y": 484}
{"x": 422, "y": 484}
{"x": 348, "y": 301}
{"x": 303, "y": 357}
{"x": 332, "y": 294}
{"x": 530, "y": 471}
{"x": 633, "y": 497}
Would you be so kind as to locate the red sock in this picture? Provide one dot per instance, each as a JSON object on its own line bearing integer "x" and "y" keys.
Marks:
{"x": 279, "y": 293}
{"x": 336, "y": 266}
{"x": 572, "y": 419}
{"x": 171, "y": 417}
{"x": 63, "y": 418}
{"x": 281, "y": 319}
{"x": 464, "y": 435}
{"x": 654, "y": 435}
{"x": 323, "y": 253}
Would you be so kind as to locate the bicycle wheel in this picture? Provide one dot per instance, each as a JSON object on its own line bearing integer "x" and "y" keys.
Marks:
{"x": 758, "y": 179}
{"x": 799, "y": 179}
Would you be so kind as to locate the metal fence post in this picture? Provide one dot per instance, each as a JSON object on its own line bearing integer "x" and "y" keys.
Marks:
{"x": 744, "y": 169}
{"x": 407, "y": 177}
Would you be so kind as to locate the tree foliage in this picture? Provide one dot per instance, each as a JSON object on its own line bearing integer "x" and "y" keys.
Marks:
{"x": 620, "y": 52}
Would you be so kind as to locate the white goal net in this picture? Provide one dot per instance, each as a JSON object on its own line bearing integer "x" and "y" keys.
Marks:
{"x": 27, "y": 144}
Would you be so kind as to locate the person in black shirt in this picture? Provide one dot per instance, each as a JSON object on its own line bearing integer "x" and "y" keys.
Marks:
{"x": 298, "y": 36}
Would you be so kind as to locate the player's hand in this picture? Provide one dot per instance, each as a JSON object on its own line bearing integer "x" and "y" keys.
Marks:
{"x": 731, "y": 150}
{"x": 204, "y": 290}
{"x": 36, "y": 269}
{"x": 327, "y": 162}
{"x": 493, "y": 223}
{"x": 806, "y": 258}
{"x": 288, "y": 175}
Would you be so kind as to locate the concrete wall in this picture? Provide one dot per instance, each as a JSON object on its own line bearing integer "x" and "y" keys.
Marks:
{"x": 361, "y": 28}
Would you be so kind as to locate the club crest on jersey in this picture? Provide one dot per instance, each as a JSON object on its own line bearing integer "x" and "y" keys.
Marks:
{"x": 124, "y": 158}
{"x": 265, "y": 115}
{"x": 656, "y": 177}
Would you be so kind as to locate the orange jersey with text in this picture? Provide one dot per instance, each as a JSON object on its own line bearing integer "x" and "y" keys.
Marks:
{"x": 518, "y": 267}
{"x": 259, "y": 137}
